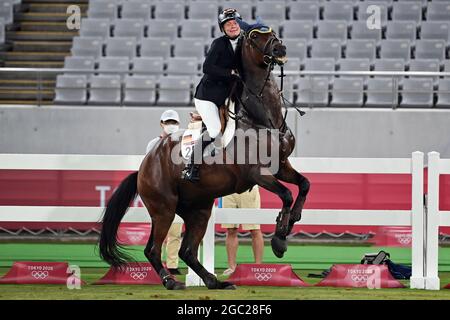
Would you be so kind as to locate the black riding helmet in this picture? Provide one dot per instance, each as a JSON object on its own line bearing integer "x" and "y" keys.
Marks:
{"x": 226, "y": 15}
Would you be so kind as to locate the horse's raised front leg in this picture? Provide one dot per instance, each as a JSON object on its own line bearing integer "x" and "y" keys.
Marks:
{"x": 288, "y": 174}
{"x": 196, "y": 222}
{"x": 264, "y": 179}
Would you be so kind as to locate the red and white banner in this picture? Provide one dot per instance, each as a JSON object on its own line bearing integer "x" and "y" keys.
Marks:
{"x": 132, "y": 273}
{"x": 277, "y": 275}
{"x": 26, "y": 272}
{"x": 360, "y": 276}
{"x": 93, "y": 188}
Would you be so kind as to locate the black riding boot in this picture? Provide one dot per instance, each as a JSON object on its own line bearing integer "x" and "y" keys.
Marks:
{"x": 191, "y": 171}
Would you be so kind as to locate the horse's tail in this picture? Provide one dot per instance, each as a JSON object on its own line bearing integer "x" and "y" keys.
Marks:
{"x": 110, "y": 250}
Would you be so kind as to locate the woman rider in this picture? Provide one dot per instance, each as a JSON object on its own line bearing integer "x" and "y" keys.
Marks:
{"x": 219, "y": 70}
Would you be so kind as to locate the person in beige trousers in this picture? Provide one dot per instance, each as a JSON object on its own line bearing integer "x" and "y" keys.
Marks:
{"x": 170, "y": 122}
{"x": 248, "y": 199}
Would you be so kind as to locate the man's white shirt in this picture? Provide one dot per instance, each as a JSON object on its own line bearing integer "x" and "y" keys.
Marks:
{"x": 151, "y": 144}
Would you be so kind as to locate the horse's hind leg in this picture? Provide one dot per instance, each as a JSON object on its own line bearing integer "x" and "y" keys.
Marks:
{"x": 160, "y": 227}
{"x": 195, "y": 226}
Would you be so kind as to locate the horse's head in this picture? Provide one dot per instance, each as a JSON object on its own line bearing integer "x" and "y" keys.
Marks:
{"x": 264, "y": 48}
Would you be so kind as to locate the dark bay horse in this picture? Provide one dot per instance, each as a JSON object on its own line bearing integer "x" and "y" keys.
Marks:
{"x": 164, "y": 193}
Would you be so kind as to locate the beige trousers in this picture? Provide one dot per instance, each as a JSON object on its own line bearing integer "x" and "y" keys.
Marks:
{"x": 173, "y": 244}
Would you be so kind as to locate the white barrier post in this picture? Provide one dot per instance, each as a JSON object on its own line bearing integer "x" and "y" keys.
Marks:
{"x": 205, "y": 251}
{"x": 417, "y": 280}
{"x": 432, "y": 281}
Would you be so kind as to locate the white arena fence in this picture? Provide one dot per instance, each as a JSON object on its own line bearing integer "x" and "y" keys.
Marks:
{"x": 424, "y": 223}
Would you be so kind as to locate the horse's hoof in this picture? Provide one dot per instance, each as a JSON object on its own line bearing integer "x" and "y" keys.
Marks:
{"x": 228, "y": 286}
{"x": 279, "y": 247}
{"x": 172, "y": 284}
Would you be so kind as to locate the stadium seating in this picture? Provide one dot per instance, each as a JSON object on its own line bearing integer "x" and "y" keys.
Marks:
{"x": 172, "y": 37}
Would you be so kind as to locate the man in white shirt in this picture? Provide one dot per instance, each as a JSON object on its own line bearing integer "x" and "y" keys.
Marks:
{"x": 170, "y": 123}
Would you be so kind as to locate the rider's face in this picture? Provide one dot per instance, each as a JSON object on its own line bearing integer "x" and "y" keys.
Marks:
{"x": 231, "y": 28}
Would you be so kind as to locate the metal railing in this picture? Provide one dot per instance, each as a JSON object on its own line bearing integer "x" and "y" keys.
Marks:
{"x": 395, "y": 76}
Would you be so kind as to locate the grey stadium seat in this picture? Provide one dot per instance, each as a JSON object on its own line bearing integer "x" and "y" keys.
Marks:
{"x": 361, "y": 32}
{"x": 140, "y": 90}
{"x": 443, "y": 95}
{"x": 389, "y": 65}
{"x": 163, "y": 28}
{"x": 417, "y": 93}
{"x": 347, "y": 92}
{"x": 2, "y": 34}
{"x": 203, "y": 10}
{"x": 70, "y": 89}
{"x": 288, "y": 87}
{"x": 169, "y": 10}
{"x": 6, "y": 12}
{"x": 87, "y": 47}
{"x": 312, "y": 92}
{"x": 354, "y": 64}
{"x": 136, "y": 10}
{"x": 307, "y": 10}
{"x": 361, "y": 49}
{"x": 153, "y": 65}
{"x": 271, "y": 10}
{"x": 380, "y": 93}
{"x": 113, "y": 64}
{"x": 319, "y": 64}
{"x": 155, "y": 47}
{"x": 298, "y": 29}
{"x": 338, "y": 11}
{"x": 332, "y": 29}
{"x": 129, "y": 28}
{"x": 93, "y": 27}
{"x": 295, "y": 48}
{"x": 196, "y": 29}
{"x": 105, "y": 90}
{"x": 428, "y": 65}
{"x": 188, "y": 66}
{"x": 447, "y": 65}
{"x": 121, "y": 47}
{"x": 174, "y": 90}
{"x": 244, "y": 8}
{"x": 435, "y": 30}
{"x": 407, "y": 11}
{"x": 102, "y": 9}
{"x": 326, "y": 49}
{"x": 438, "y": 11}
{"x": 395, "y": 49}
{"x": 364, "y": 15}
{"x": 401, "y": 30}
{"x": 430, "y": 49}
{"x": 189, "y": 47}
{"x": 293, "y": 64}
{"x": 79, "y": 63}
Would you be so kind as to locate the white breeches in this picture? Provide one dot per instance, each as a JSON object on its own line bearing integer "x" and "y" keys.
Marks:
{"x": 210, "y": 116}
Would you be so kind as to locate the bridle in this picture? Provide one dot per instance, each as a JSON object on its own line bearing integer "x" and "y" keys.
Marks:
{"x": 270, "y": 61}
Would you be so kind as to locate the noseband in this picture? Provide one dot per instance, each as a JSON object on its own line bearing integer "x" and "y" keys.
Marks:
{"x": 268, "y": 59}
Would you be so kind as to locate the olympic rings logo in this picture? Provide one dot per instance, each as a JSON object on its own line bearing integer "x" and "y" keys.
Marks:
{"x": 138, "y": 275}
{"x": 39, "y": 274}
{"x": 263, "y": 276}
{"x": 360, "y": 278}
{"x": 135, "y": 238}
{"x": 405, "y": 239}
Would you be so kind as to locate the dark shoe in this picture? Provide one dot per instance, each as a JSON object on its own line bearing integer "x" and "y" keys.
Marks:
{"x": 191, "y": 173}
{"x": 192, "y": 170}
{"x": 174, "y": 271}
